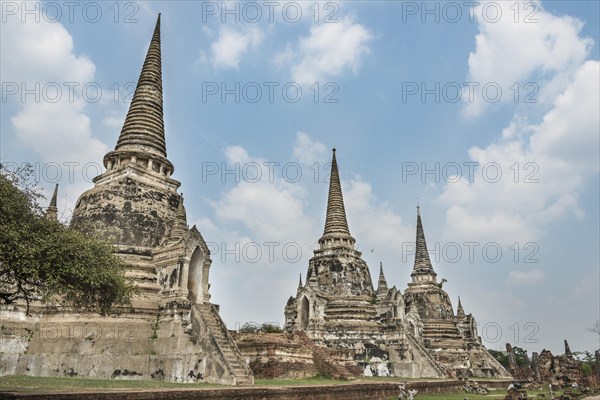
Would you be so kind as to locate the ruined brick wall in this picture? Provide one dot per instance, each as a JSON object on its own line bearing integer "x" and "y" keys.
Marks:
{"x": 293, "y": 356}
{"x": 547, "y": 367}
{"x": 361, "y": 391}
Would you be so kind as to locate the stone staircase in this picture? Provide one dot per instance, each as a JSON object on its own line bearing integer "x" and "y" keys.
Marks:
{"x": 142, "y": 270}
{"x": 442, "y": 334}
{"x": 235, "y": 360}
{"x": 439, "y": 368}
{"x": 350, "y": 318}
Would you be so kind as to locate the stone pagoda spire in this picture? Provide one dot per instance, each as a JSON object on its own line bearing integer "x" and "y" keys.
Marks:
{"x": 52, "y": 210}
{"x": 382, "y": 283}
{"x": 382, "y": 286}
{"x": 143, "y": 133}
{"x": 422, "y": 270}
{"x": 336, "y": 232}
{"x": 180, "y": 225}
{"x": 460, "y": 312}
{"x": 134, "y": 202}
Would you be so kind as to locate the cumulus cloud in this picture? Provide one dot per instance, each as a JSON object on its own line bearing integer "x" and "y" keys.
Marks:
{"x": 373, "y": 222}
{"x": 327, "y": 52}
{"x": 308, "y": 151}
{"x": 540, "y": 48}
{"x": 232, "y": 44}
{"x": 271, "y": 208}
{"x": 526, "y": 277}
{"x": 55, "y": 126}
{"x": 544, "y": 167}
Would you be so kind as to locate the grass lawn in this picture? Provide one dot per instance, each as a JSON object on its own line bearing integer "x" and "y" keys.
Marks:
{"x": 34, "y": 384}
{"x": 30, "y": 384}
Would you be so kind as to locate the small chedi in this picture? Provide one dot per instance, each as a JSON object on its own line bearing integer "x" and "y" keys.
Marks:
{"x": 171, "y": 331}
{"x": 387, "y": 332}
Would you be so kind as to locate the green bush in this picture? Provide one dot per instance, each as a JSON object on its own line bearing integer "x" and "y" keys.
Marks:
{"x": 253, "y": 327}
{"x": 270, "y": 328}
{"x": 249, "y": 327}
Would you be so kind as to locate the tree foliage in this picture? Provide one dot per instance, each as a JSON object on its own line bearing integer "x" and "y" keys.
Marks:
{"x": 588, "y": 361}
{"x": 270, "y": 328}
{"x": 521, "y": 356}
{"x": 500, "y": 356}
{"x": 41, "y": 259}
{"x": 252, "y": 327}
{"x": 249, "y": 327}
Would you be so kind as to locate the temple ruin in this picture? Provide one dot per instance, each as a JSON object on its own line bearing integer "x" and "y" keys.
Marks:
{"x": 387, "y": 332}
{"x": 171, "y": 331}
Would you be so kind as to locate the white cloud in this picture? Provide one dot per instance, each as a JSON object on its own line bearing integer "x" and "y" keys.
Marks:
{"x": 59, "y": 132}
{"x": 554, "y": 158}
{"x": 237, "y": 154}
{"x": 42, "y": 54}
{"x": 329, "y": 51}
{"x": 227, "y": 50}
{"x": 308, "y": 151}
{"x": 270, "y": 207}
{"x": 55, "y": 127}
{"x": 374, "y": 224}
{"x": 546, "y": 51}
{"x": 528, "y": 277}
{"x": 270, "y": 211}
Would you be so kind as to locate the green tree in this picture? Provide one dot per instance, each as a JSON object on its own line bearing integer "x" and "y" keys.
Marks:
{"x": 249, "y": 327}
{"x": 521, "y": 356}
{"x": 270, "y": 328}
{"x": 588, "y": 360}
{"x": 500, "y": 356}
{"x": 41, "y": 259}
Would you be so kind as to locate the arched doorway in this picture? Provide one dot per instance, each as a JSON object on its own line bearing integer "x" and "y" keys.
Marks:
{"x": 194, "y": 283}
{"x": 304, "y": 311}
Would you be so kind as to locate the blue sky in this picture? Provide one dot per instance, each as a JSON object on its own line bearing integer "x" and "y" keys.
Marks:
{"x": 374, "y": 60}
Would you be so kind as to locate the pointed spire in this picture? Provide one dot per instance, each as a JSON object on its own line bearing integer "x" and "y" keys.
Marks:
{"x": 336, "y": 232}
{"x": 300, "y": 282}
{"x": 180, "y": 225}
{"x": 335, "y": 221}
{"x": 52, "y": 210}
{"x": 567, "y": 349}
{"x": 422, "y": 270}
{"x": 382, "y": 283}
{"x": 143, "y": 131}
{"x": 144, "y": 126}
{"x": 460, "y": 312}
{"x": 421, "y": 254}
{"x": 53, "y": 200}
